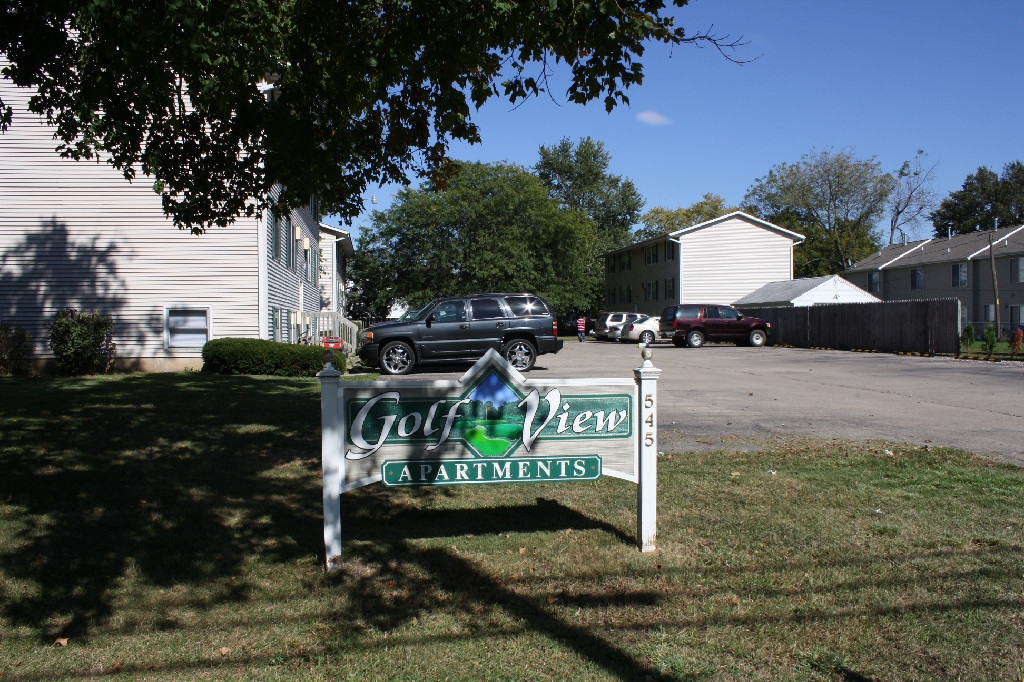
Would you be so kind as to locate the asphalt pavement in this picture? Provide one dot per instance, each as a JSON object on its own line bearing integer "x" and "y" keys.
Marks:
{"x": 724, "y": 395}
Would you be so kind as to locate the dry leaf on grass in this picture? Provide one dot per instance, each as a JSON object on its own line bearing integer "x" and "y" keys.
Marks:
{"x": 224, "y": 651}
{"x": 62, "y": 641}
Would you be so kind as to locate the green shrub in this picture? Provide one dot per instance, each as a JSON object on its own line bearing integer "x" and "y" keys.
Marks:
{"x": 967, "y": 337}
{"x": 81, "y": 343}
{"x": 989, "y": 340}
{"x": 14, "y": 349}
{"x": 259, "y": 356}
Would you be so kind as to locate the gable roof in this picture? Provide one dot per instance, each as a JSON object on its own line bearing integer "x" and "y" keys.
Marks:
{"x": 674, "y": 236}
{"x": 796, "y": 237}
{"x": 963, "y": 247}
{"x": 792, "y": 289}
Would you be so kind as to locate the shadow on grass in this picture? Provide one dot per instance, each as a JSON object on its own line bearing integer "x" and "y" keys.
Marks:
{"x": 165, "y": 474}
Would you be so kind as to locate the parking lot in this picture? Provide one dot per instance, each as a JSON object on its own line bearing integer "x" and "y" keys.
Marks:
{"x": 725, "y": 395}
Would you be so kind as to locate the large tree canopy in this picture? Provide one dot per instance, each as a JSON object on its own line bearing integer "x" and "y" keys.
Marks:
{"x": 659, "y": 220}
{"x": 362, "y": 92}
{"x": 831, "y": 197}
{"x": 577, "y": 178}
{"x": 985, "y": 201}
{"x": 492, "y": 227}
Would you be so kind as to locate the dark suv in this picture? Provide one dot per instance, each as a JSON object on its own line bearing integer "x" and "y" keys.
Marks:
{"x": 463, "y": 328}
{"x": 691, "y": 325}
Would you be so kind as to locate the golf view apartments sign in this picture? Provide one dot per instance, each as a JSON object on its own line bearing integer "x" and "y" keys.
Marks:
{"x": 491, "y": 426}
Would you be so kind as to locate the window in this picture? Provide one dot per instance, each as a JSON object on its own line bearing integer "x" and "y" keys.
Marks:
{"x": 627, "y": 294}
{"x": 670, "y": 250}
{"x": 711, "y": 312}
{"x": 990, "y": 312}
{"x": 611, "y": 264}
{"x": 450, "y": 311}
{"x": 625, "y": 262}
{"x": 670, "y": 287}
{"x": 486, "y": 309}
{"x": 917, "y": 278}
{"x": 273, "y": 235}
{"x": 651, "y": 254}
{"x": 526, "y": 306}
{"x": 287, "y": 243}
{"x": 959, "y": 274}
{"x": 611, "y": 296}
{"x": 1016, "y": 270}
{"x": 273, "y": 322}
{"x": 1015, "y": 320}
{"x": 186, "y": 327}
{"x": 727, "y": 313}
{"x": 873, "y": 282}
{"x": 651, "y": 290}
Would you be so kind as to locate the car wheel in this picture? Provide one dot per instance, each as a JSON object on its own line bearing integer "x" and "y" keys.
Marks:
{"x": 678, "y": 342}
{"x": 647, "y": 337}
{"x": 397, "y": 358}
{"x": 520, "y": 353}
{"x": 757, "y": 338}
{"x": 695, "y": 339}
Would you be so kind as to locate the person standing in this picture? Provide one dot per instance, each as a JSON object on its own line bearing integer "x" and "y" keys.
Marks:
{"x": 581, "y": 328}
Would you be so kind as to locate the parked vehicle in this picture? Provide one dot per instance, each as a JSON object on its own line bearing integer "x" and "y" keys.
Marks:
{"x": 644, "y": 329}
{"x": 462, "y": 328}
{"x": 694, "y": 324}
{"x": 609, "y": 326}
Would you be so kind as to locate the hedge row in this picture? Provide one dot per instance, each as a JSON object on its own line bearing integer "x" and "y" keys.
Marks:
{"x": 258, "y": 356}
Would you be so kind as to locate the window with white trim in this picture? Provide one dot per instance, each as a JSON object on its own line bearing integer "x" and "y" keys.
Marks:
{"x": 873, "y": 282}
{"x": 186, "y": 327}
{"x": 917, "y": 278}
{"x": 959, "y": 274}
{"x": 990, "y": 312}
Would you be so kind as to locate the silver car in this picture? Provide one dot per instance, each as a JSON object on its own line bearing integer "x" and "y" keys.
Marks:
{"x": 610, "y": 326}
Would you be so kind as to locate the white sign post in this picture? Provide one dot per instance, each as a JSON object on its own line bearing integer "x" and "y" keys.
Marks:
{"x": 647, "y": 437}
{"x": 491, "y": 426}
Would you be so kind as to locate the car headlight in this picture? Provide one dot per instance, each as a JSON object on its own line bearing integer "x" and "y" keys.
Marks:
{"x": 366, "y": 336}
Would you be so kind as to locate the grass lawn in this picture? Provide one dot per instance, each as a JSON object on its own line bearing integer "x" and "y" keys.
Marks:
{"x": 168, "y": 527}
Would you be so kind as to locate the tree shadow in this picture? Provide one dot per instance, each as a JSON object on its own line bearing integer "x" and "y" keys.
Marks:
{"x": 50, "y": 269}
{"x": 164, "y": 475}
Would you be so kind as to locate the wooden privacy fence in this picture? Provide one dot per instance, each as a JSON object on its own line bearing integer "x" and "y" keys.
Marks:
{"x": 927, "y": 326}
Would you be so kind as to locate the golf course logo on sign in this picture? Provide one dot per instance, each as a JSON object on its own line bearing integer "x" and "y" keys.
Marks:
{"x": 490, "y": 427}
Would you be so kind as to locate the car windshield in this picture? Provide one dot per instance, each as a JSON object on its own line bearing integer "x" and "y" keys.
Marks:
{"x": 409, "y": 315}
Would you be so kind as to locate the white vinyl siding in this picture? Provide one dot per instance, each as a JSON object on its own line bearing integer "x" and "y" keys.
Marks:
{"x": 77, "y": 234}
{"x": 726, "y": 261}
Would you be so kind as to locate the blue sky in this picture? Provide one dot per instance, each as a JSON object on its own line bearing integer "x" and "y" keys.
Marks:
{"x": 882, "y": 77}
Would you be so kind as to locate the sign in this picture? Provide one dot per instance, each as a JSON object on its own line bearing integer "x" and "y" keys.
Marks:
{"x": 491, "y": 426}
{"x": 465, "y": 431}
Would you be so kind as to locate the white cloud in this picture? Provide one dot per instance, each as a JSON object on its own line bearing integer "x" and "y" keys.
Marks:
{"x": 653, "y": 118}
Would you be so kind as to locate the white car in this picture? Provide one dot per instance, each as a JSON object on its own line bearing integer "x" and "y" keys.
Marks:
{"x": 644, "y": 329}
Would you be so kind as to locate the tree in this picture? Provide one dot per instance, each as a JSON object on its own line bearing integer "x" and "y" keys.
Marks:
{"x": 833, "y": 198}
{"x": 491, "y": 227}
{"x": 219, "y": 101}
{"x": 577, "y": 178}
{"x": 912, "y": 194}
{"x": 985, "y": 201}
{"x": 659, "y": 221}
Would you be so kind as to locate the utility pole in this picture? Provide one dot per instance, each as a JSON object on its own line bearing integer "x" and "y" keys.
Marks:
{"x": 995, "y": 282}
